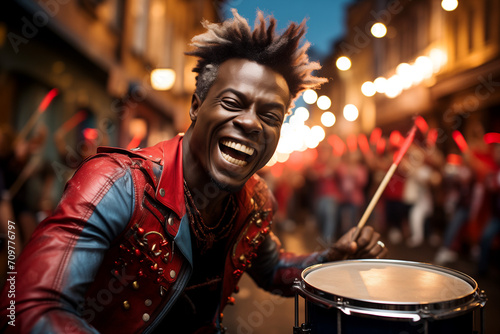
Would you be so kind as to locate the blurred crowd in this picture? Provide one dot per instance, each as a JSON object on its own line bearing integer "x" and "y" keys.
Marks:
{"x": 446, "y": 200}
{"x": 449, "y": 200}
{"x": 31, "y": 182}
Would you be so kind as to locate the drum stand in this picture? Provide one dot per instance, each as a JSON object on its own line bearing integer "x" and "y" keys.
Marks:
{"x": 296, "y": 328}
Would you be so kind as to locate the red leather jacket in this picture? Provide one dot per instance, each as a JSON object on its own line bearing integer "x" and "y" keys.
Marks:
{"x": 116, "y": 254}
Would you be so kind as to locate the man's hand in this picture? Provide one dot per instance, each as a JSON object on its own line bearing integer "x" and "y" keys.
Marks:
{"x": 367, "y": 245}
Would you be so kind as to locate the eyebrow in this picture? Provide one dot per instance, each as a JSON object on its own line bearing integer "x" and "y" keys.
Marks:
{"x": 244, "y": 98}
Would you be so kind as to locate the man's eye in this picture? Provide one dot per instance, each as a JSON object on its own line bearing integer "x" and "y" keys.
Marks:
{"x": 230, "y": 104}
{"x": 272, "y": 117}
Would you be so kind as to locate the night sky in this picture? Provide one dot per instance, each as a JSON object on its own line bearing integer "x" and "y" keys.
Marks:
{"x": 325, "y": 18}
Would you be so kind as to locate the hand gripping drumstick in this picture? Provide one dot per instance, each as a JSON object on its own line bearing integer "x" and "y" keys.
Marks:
{"x": 385, "y": 181}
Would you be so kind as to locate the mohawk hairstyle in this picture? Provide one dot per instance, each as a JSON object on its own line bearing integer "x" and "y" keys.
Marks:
{"x": 234, "y": 38}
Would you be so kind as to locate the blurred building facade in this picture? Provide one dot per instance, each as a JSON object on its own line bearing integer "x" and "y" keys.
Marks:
{"x": 442, "y": 65}
{"x": 99, "y": 55}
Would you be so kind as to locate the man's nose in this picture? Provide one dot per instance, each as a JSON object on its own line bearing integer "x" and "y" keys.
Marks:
{"x": 249, "y": 121}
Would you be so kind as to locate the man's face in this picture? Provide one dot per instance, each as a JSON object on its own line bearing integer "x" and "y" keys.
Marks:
{"x": 237, "y": 127}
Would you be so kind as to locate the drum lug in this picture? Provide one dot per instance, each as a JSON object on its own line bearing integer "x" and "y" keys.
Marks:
{"x": 301, "y": 330}
{"x": 482, "y": 298}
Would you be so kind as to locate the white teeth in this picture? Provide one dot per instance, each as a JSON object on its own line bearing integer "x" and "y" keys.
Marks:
{"x": 238, "y": 147}
{"x": 233, "y": 160}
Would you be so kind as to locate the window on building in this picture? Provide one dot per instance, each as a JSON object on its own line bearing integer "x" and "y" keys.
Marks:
{"x": 156, "y": 32}
{"x": 456, "y": 38}
{"x": 471, "y": 12}
{"x": 111, "y": 12}
{"x": 488, "y": 14}
{"x": 140, "y": 12}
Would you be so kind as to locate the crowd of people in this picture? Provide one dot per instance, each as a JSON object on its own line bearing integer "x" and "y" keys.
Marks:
{"x": 448, "y": 200}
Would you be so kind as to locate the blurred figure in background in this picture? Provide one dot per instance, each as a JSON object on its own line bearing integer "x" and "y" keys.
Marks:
{"x": 353, "y": 177}
{"x": 417, "y": 193}
{"x": 458, "y": 184}
{"x": 492, "y": 229}
{"x": 24, "y": 176}
{"x": 326, "y": 192}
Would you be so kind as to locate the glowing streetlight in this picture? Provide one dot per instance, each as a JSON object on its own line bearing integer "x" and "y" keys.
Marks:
{"x": 368, "y": 88}
{"x": 378, "y": 30}
{"x": 449, "y": 5}
{"x": 162, "y": 78}
{"x": 324, "y": 102}
{"x": 310, "y": 96}
{"x": 351, "y": 113}
{"x": 328, "y": 119}
{"x": 343, "y": 63}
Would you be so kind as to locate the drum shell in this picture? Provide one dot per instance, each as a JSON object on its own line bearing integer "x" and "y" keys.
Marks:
{"x": 327, "y": 321}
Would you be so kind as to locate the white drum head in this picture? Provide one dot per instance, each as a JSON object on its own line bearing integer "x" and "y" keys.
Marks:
{"x": 388, "y": 281}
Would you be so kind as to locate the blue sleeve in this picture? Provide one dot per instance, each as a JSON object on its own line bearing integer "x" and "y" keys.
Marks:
{"x": 66, "y": 250}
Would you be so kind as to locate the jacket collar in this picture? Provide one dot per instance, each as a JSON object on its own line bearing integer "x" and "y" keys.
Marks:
{"x": 170, "y": 190}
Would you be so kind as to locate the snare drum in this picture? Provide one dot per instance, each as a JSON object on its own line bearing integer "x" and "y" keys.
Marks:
{"x": 388, "y": 296}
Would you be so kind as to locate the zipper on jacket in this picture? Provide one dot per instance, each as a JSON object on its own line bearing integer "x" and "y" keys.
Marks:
{"x": 181, "y": 283}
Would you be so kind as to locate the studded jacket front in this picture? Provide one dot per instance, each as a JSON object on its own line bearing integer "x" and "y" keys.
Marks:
{"x": 117, "y": 252}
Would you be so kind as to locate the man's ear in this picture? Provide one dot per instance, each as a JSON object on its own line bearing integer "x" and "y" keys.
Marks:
{"x": 195, "y": 107}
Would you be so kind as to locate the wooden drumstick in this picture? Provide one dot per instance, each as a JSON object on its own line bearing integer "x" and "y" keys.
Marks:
{"x": 385, "y": 181}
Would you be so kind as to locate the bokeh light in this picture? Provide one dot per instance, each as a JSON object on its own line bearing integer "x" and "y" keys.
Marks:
{"x": 368, "y": 89}
{"x": 310, "y": 96}
{"x": 449, "y": 5}
{"x": 378, "y": 30}
{"x": 404, "y": 71}
{"x": 328, "y": 119}
{"x": 343, "y": 63}
{"x": 394, "y": 86}
{"x": 324, "y": 102}
{"x": 302, "y": 114}
{"x": 162, "y": 78}
{"x": 318, "y": 133}
{"x": 351, "y": 113}
{"x": 380, "y": 84}
{"x": 424, "y": 65}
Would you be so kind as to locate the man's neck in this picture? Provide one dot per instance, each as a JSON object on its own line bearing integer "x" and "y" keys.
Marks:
{"x": 208, "y": 197}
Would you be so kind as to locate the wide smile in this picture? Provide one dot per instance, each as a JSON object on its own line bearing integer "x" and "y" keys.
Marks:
{"x": 235, "y": 152}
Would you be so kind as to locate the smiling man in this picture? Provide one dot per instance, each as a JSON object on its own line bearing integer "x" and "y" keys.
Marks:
{"x": 156, "y": 239}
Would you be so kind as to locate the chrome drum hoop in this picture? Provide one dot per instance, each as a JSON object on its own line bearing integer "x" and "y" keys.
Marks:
{"x": 414, "y": 311}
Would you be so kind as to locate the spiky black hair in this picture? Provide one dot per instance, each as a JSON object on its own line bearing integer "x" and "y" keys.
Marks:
{"x": 234, "y": 38}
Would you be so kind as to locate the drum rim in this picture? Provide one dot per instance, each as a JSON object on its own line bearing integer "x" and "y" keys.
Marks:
{"x": 461, "y": 302}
